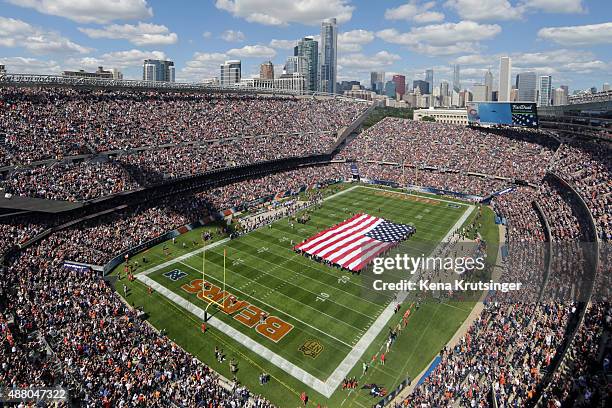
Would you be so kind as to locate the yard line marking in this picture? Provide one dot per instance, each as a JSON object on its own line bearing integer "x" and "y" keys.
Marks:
{"x": 304, "y": 276}
{"x": 282, "y": 294}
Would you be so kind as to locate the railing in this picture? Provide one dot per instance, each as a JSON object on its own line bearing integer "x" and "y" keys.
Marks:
{"x": 562, "y": 357}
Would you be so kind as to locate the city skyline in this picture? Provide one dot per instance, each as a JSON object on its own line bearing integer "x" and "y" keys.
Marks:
{"x": 567, "y": 40}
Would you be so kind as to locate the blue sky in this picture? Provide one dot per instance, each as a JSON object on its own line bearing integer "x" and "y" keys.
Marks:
{"x": 568, "y": 39}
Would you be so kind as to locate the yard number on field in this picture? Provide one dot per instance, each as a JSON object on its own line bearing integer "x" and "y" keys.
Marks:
{"x": 322, "y": 297}
{"x": 343, "y": 279}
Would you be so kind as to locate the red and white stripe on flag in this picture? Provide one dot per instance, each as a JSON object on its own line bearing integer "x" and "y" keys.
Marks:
{"x": 346, "y": 244}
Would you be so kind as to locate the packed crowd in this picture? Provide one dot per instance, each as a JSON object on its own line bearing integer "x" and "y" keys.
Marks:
{"x": 182, "y": 135}
{"x": 450, "y": 181}
{"x": 507, "y": 347}
{"x": 516, "y": 340}
{"x": 69, "y": 181}
{"x": 252, "y": 189}
{"x": 587, "y": 166}
{"x": 66, "y": 328}
{"x": 60, "y": 327}
{"x": 156, "y": 165}
{"x": 510, "y": 153}
{"x": 583, "y": 383}
{"x": 43, "y": 123}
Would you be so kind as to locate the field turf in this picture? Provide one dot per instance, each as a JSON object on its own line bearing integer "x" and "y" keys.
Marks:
{"x": 322, "y": 303}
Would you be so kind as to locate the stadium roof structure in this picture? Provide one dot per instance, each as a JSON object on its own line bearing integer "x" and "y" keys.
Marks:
{"x": 19, "y": 203}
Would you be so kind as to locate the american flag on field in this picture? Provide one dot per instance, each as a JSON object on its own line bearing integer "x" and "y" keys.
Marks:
{"x": 353, "y": 243}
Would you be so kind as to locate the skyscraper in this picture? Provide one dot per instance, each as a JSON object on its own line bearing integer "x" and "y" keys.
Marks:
{"x": 480, "y": 93}
{"x": 231, "y": 72}
{"x": 488, "y": 81}
{"x": 390, "y": 89}
{"x": 456, "y": 78}
{"x": 560, "y": 97}
{"x": 266, "y": 70}
{"x": 375, "y": 78}
{"x": 605, "y": 87}
{"x": 429, "y": 79}
{"x": 158, "y": 70}
{"x": 527, "y": 83}
{"x": 545, "y": 90}
{"x": 400, "y": 84}
{"x": 422, "y": 86}
{"x": 505, "y": 73}
{"x": 309, "y": 49}
{"x": 328, "y": 59}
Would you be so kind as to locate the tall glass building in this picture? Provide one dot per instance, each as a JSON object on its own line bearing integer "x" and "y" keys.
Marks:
{"x": 430, "y": 80}
{"x": 456, "y": 78}
{"x": 328, "y": 61}
{"x": 527, "y": 83}
{"x": 231, "y": 72}
{"x": 545, "y": 90}
{"x": 158, "y": 70}
{"x": 308, "y": 48}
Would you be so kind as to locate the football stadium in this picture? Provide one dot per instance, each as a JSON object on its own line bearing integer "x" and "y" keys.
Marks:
{"x": 281, "y": 242}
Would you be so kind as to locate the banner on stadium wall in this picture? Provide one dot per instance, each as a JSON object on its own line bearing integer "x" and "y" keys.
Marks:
{"x": 504, "y": 191}
{"x": 382, "y": 183}
{"x": 76, "y": 266}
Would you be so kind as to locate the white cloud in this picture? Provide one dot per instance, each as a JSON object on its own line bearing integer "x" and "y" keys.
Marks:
{"x": 588, "y": 67}
{"x": 116, "y": 59}
{"x": 356, "y": 37}
{"x": 489, "y": 10}
{"x": 283, "y": 44}
{"x": 556, "y": 6}
{"x": 473, "y": 59}
{"x": 578, "y": 35}
{"x": 282, "y": 12}
{"x": 415, "y": 11}
{"x": 233, "y": 36}
{"x": 442, "y": 39}
{"x": 23, "y": 65}
{"x": 352, "y": 41}
{"x": 141, "y": 34}
{"x": 207, "y": 34}
{"x": 252, "y": 51}
{"x": 90, "y": 11}
{"x": 428, "y": 17}
{"x": 362, "y": 63}
{"x": 485, "y": 10}
{"x": 18, "y": 33}
{"x": 203, "y": 65}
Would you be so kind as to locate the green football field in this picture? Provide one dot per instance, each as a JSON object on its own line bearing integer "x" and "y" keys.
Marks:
{"x": 323, "y": 322}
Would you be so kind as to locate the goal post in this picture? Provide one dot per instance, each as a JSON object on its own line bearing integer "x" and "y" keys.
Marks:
{"x": 212, "y": 301}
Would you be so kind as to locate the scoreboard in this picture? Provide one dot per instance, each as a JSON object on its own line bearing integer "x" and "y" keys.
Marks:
{"x": 522, "y": 114}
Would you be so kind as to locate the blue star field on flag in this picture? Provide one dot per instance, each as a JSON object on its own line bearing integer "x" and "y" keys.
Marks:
{"x": 390, "y": 232}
